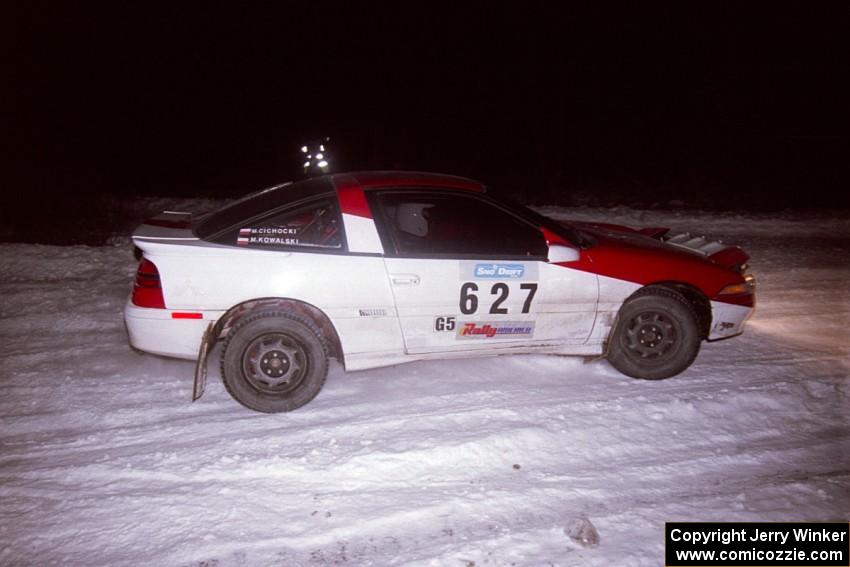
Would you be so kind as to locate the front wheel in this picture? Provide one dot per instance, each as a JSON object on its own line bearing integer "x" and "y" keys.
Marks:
{"x": 274, "y": 361}
{"x": 656, "y": 336}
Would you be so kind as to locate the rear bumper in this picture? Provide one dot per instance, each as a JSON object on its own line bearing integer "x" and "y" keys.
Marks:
{"x": 157, "y": 332}
{"x": 727, "y": 320}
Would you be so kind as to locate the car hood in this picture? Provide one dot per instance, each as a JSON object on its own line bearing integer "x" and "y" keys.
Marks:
{"x": 651, "y": 256}
{"x": 660, "y": 240}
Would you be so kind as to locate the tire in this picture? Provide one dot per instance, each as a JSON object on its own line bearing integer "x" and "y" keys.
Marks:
{"x": 274, "y": 361}
{"x": 656, "y": 336}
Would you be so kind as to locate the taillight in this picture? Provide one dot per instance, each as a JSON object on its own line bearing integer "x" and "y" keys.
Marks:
{"x": 147, "y": 291}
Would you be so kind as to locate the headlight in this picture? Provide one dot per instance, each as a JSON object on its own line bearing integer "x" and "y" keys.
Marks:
{"x": 747, "y": 286}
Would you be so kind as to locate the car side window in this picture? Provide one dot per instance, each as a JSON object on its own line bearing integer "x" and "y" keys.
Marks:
{"x": 428, "y": 223}
{"x": 315, "y": 225}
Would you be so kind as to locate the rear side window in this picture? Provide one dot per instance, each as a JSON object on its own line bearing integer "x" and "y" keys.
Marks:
{"x": 315, "y": 225}
{"x": 426, "y": 224}
{"x": 257, "y": 204}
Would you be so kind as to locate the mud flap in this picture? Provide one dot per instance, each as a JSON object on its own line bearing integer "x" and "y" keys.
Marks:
{"x": 201, "y": 365}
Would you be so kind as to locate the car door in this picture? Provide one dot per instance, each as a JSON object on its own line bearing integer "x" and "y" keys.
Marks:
{"x": 468, "y": 274}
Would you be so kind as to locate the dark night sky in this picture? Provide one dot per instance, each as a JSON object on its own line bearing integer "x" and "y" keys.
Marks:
{"x": 661, "y": 102}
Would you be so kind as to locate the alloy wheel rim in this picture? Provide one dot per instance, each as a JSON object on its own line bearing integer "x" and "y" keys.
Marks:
{"x": 274, "y": 363}
{"x": 650, "y": 335}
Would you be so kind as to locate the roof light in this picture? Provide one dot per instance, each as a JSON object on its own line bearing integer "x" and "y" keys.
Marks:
{"x": 316, "y": 157}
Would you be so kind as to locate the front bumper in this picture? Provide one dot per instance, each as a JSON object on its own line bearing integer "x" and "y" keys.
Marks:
{"x": 727, "y": 320}
{"x": 156, "y": 331}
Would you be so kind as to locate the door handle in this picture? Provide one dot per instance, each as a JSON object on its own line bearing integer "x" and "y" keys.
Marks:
{"x": 404, "y": 279}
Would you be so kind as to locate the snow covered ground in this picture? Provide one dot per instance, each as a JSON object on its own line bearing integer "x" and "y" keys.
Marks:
{"x": 104, "y": 461}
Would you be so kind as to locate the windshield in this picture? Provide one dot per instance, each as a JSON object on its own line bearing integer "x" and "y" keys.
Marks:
{"x": 566, "y": 230}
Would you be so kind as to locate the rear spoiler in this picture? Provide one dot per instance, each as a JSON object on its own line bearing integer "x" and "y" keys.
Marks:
{"x": 167, "y": 225}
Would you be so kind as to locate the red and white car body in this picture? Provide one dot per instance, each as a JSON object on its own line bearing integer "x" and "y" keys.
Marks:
{"x": 392, "y": 267}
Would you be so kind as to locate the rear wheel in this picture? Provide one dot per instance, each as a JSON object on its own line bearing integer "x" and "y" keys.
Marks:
{"x": 274, "y": 361}
{"x": 656, "y": 336}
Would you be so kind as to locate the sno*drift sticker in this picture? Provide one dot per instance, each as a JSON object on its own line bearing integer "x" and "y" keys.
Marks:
{"x": 498, "y": 271}
{"x": 493, "y": 330}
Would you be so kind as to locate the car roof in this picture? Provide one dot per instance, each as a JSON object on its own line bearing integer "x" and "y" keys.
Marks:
{"x": 377, "y": 179}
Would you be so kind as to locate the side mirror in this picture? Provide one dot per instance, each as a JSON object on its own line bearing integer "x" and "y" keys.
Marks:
{"x": 559, "y": 253}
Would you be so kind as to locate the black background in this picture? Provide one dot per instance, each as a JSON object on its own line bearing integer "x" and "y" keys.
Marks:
{"x": 680, "y": 104}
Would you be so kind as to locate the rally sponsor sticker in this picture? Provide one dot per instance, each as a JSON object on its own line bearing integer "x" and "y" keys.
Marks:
{"x": 498, "y": 270}
{"x": 470, "y": 330}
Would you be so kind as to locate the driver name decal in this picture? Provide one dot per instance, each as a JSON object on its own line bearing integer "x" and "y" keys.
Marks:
{"x": 495, "y": 330}
{"x": 267, "y": 235}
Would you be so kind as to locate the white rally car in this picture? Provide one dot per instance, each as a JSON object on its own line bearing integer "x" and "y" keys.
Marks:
{"x": 380, "y": 268}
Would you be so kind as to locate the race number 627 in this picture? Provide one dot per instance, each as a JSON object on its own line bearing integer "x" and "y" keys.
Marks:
{"x": 501, "y": 291}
